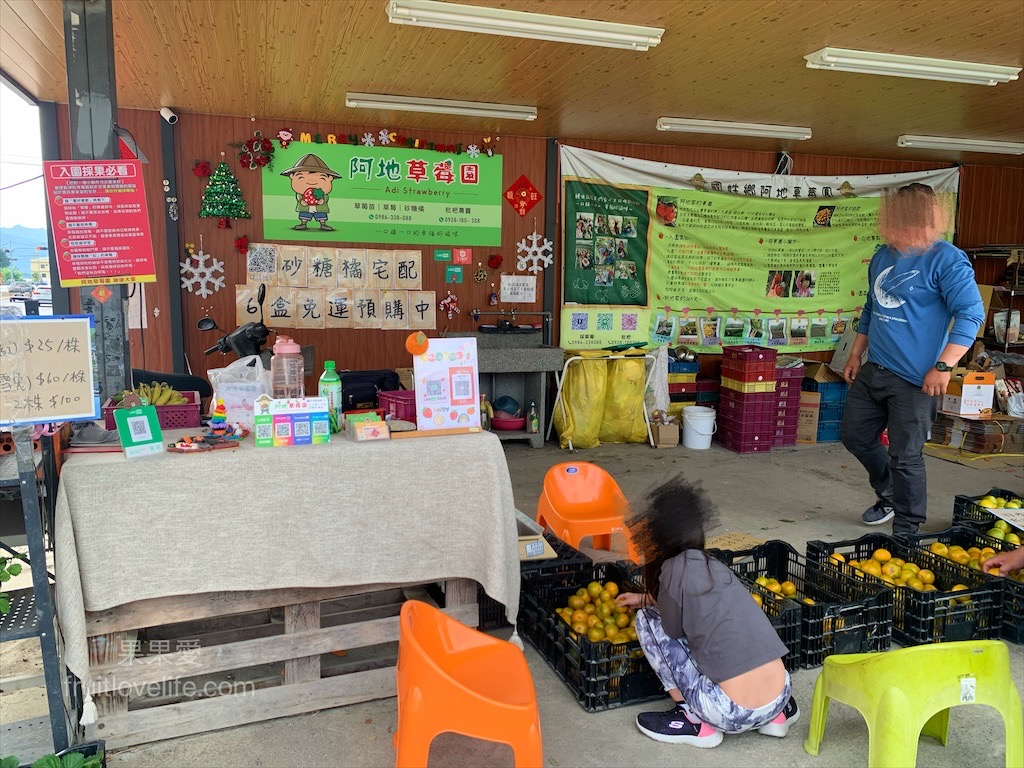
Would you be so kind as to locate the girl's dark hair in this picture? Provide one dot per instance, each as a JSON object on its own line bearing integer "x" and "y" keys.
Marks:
{"x": 670, "y": 519}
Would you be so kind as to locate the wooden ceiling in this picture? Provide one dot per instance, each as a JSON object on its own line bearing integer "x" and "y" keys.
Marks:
{"x": 720, "y": 59}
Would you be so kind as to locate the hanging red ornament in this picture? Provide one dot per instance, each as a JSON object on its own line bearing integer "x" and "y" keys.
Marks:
{"x": 266, "y": 146}
{"x": 201, "y": 169}
{"x": 242, "y": 244}
{"x": 255, "y": 153}
{"x": 224, "y": 223}
{"x": 495, "y": 261}
{"x": 245, "y": 159}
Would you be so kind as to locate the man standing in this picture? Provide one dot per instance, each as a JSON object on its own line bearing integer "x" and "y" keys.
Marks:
{"x": 917, "y": 285}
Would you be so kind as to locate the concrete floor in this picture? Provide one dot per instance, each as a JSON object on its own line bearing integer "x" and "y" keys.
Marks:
{"x": 808, "y": 492}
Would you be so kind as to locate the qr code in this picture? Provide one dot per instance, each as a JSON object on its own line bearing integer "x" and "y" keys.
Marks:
{"x": 261, "y": 259}
{"x": 264, "y": 431}
{"x": 629, "y": 320}
{"x": 283, "y": 429}
{"x": 302, "y": 429}
{"x": 462, "y": 386}
{"x": 604, "y": 321}
{"x": 433, "y": 388}
{"x": 580, "y": 321}
{"x": 139, "y": 427}
{"x": 321, "y": 427}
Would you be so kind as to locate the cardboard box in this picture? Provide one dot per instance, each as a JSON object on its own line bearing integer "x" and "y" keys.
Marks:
{"x": 986, "y": 292}
{"x": 842, "y": 353}
{"x": 819, "y": 371}
{"x": 970, "y": 393}
{"x": 364, "y": 431}
{"x": 807, "y": 421}
{"x": 665, "y": 435}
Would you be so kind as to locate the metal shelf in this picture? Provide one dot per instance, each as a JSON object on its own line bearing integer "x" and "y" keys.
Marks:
{"x": 22, "y": 621}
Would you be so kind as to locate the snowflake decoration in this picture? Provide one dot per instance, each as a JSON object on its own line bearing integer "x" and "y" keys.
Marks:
{"x": 384, "y": 137}
{"x": 535, "y": 256}
{"x": 473, "y": 150}
{"x": 200, "y": 278}
{"x": 368, "y": 140}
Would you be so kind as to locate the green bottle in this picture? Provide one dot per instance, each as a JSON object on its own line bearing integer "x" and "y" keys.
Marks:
{"x": 330, "y": 387}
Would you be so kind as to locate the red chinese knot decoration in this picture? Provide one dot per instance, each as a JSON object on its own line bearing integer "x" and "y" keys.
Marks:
{"x": 522, "y": 195}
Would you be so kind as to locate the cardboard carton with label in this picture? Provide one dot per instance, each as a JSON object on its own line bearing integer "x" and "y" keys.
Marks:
{"x": 970, "y": 393}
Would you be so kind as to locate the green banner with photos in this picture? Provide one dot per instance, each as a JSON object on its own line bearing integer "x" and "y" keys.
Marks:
{"x": 706, "y": 267}
{"x": 382, "y": 194}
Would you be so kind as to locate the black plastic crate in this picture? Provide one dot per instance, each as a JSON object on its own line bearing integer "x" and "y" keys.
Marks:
{"x": 967, "y": 511}
{"x": 784, "y": 615}
{"x": 569, "y": 560}
{"x": 924, "y": 617}
{"x": 602, "y": 675}
{"x": 846, "y": 617}
{"x": 1013, "y": 591}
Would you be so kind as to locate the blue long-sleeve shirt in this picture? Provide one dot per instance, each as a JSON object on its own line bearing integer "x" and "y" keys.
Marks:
{"x": 911, "y": 300}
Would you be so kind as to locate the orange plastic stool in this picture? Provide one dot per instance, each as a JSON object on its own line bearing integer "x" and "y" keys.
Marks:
{"x": 455, "y": 679}
{"x": 580, "y": 499}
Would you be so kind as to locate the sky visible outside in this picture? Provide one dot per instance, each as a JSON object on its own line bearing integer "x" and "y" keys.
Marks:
{"x": 20, "y": 159}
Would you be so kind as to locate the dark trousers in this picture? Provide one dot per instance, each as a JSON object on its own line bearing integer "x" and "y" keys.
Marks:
{"x": 879, "y": 399}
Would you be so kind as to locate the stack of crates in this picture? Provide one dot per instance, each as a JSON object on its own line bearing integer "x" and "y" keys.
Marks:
{"x": 748, "y": 403}
{"x": 833, "y": 403}
{"x": 685, "y": 388}
{"x": 789, "y": 371}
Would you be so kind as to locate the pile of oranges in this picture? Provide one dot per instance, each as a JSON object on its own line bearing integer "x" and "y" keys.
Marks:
{"x": 898, "y": 572}
{"x": 782, "y": 589}
{"x": 592, "y": 612}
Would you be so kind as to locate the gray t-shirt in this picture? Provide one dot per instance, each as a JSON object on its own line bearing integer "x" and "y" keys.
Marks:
{"x": 703, "y": 601}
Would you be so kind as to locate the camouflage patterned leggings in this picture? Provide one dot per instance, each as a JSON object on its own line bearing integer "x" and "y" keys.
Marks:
{"x": 672, "y": 663}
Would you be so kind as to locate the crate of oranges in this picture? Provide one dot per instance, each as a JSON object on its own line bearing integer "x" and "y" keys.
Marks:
{"x": 590, "y": 643}
{"x": 976, "y": 512}
{"x": 966, "y": 546}
{"x": 837, "y": 615}
{"x": 934, "y": 599}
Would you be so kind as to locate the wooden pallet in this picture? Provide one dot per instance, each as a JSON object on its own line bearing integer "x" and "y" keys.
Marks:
{"x": 176, "y": 666}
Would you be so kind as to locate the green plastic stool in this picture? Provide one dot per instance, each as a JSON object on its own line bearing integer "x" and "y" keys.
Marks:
{"x": 905, "y": 693}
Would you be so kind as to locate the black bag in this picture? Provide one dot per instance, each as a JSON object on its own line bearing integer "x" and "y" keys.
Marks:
{"x": 359, "y": 388}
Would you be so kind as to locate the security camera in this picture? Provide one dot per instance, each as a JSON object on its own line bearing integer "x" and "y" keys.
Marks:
{"x": 168, "y": 115}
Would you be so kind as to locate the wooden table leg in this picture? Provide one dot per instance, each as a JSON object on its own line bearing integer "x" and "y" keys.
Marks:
{"x": 299, "y": 618}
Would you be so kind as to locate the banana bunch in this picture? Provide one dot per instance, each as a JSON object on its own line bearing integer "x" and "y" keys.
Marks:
{"x": 154, "y": 394}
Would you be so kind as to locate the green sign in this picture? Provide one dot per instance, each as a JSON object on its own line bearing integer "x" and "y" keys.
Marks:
{"x": 350, "y": 193}
{"x": 139, "y": 430}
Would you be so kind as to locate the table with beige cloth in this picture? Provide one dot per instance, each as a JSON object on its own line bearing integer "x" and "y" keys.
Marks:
{"x": 389, "y": 512}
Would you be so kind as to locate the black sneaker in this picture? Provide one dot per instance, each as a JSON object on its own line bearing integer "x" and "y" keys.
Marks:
{"x": 779, "y": 727}
{"x": 881, "y": 512}
{"x": 678, "y": 726}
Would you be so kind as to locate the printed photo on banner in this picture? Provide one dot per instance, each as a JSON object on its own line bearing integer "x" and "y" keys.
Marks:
{"x": 819, "y": 328}
{"x": 584, "y": 226}
{"x": 734, "y": 328}
{"x": 798, "y": 329}
{"x": 601, "y": 224}
{"x": 757, "y": 328}
{"x": 603, "y": 276}
{"x": 625, "y": 270}
{"x": 838, "y": 327}
{"x": 605, "y": 250}
{"x": 709, "y": 329}
{"x": 803, "y": 286}
{"x": 823, "y": 218}
{"x": 666, "y": 210}
{"x": 779, "y": 284}
{"x": 777, "y": 331}
{"x": 621, "y": 249}
{"x": 629, "y": 226}
{"x": 688, "y": 330}
{"x": 584, "y": 255}
{"x": 663, "y": 325}
{"x": 615, "y": 226}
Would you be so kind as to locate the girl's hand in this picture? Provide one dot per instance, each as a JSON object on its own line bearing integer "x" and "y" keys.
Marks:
{"x": 630, "y": 600}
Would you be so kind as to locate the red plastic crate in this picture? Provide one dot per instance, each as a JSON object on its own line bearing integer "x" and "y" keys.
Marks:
{"x": 753, "y": 405}
{"x": 750, "y": 371}
{"x": 187, "y": 416}
{"x": 756, "y": 444}
{"x": 708, "y": 385}
{"x": 787, "y": 374}
{"x": 748, "y": 353}
{"x": 399, "y": 404}
{"x": 688, "y": 387}
{"x": 745, "y": 428}
{"x": 781, "y": 441}
{"x": 787, "y": 421}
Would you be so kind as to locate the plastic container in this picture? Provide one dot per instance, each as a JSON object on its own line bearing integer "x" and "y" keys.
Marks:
{"x": 287, "y": 369}
{"x": 698, "y": 427}
{"x": 830, "y": 432}
{"x": 330, "y": 387}
{"x": 748, "y": 386}
{"x": 846, "y": 617}
{"x": 758, "y": 442}
{"x": 532, "y": 420}
{"x": 185, "y": 416}
{"x": 748, "y": 372}
{"x": 919, "y": 618}
{"x": 967, "y": 510}
{"x": 508, "y": 425}
{"x": 675, "y": 367}
{"x": 399, "y": 404}
{"x": 601, "y": 675}
{"x": 749, "y": 353}
{"x": 831, "y": 391}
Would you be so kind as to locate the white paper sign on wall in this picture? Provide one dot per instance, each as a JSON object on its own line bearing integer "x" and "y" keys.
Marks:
{"x": 518, "y": 289}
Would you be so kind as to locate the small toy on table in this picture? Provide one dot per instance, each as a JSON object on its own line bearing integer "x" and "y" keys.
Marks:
{"x": 200, "y": 443}
{"x": 219, "y": 426}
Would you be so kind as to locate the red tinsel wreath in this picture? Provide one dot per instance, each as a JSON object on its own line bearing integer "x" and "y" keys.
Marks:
{"x": 494, "y": 262}
{"x": 256, "y": 153}
{"x": 242, "y": 244}
{"x": 201, "y": 168}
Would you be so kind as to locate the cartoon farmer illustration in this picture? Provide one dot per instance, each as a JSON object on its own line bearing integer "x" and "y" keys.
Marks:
{"x": 312, "y": 181}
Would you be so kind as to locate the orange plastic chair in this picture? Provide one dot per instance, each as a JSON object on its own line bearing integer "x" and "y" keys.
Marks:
{"x": 455, "y": 679}
{"x": 580, "y": 499}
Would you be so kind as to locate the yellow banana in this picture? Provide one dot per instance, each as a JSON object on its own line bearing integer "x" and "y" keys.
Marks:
{"x": 165, "y": 394}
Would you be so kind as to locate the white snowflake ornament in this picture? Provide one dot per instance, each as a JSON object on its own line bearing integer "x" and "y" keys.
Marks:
{"x": 473, "y": 150}
{"x": 535, "y": 256}
{"x": 201, "y": 278}
{"x": 384, "y": 137}
{"x": 368, "y": 140}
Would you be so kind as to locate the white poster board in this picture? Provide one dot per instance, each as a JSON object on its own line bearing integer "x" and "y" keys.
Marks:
{"x": 46, "y": 370}
{"x": 518, "y": 289}
{"x": 447, "y": 386}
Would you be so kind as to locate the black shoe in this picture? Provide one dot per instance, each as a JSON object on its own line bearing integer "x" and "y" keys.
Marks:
{"x": 678, "y": 726}
{"x": 324, "y": 226}
{"x": 301, "y": 225}
{"x": 780, "y": 725}
{"x": 881, "y": 512}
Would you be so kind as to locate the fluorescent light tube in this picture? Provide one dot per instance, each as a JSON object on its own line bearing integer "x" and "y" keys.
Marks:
{"x": 689, "y": 125}
{"x": 897, "y": 65}
{"x": 440, "y": 106}
{"x": 535, "y": 26}
{"x": 962, "y": 145}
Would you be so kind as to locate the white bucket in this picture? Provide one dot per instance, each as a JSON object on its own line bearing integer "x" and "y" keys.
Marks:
{"x": 698, "y": 426}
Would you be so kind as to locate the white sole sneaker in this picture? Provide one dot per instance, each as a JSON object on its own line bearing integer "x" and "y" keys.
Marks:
{"x": 701, "y": 742}
{"x": 779, "y": 730}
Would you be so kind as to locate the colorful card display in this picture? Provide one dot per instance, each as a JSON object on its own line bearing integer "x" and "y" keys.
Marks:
{"x": 292, "y": 421}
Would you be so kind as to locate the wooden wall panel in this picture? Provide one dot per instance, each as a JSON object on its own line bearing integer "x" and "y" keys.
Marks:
{"x": 991, "y": 206}
{"x": 150, "y": 348}
{"x": 205, "y": 137}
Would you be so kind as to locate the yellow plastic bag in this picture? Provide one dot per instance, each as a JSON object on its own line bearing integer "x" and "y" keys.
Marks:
{"x": 583, "y": 395}
{"x": 623, "y": 420}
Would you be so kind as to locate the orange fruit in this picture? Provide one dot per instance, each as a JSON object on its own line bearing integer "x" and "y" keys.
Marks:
{"x": 882, "y": 555}
{"x": 775, "y": 587}
{"x": 837, "y": 557}
{"x": 758, "y": 599}
{"x": 589, "y": 608}
{"x": 622, "y": 621}
{"x": 594, "y": 589}
{"x": 580, "y": 628}
{"x": 961, "y": 588}
{"x": 416, "y": 343}
{"x": 960, "y": 556}
{"x": 612, "y": 589}
{"x": 939, "y": 549}
{"x": 631, "y": 633}
{"x": 788, "y": 588}
{"x": 891, "y": 569}
{"x": 611, "y": 631}
{"x": 592, "y": 620}
{"x": 605, "y": 596}
{"x": 576, "y": 602}
{"x": 926, "y": 576}
{"x": 604, "y": 610}
{"x": 595, "y": 634}
{"x": 579, "y": 616}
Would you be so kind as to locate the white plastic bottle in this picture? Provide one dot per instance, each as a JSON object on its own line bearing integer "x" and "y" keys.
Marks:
{"x": 286, "y": 369}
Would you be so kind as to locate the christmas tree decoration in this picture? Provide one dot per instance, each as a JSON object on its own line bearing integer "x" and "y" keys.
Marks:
{"x": 201, "y": 277}
{"x": 481, "y": 274}
{"x": 256, "y": 153}
{"x": 201, "y": 169}
{"x": 535, "y": 255}
{"x": 223, "y": 199}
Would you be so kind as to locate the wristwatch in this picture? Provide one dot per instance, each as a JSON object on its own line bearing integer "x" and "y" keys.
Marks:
{"x": 943, "y": 367}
